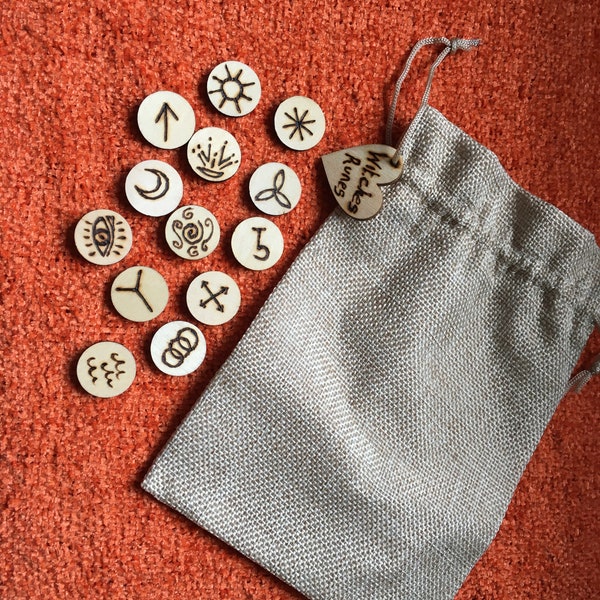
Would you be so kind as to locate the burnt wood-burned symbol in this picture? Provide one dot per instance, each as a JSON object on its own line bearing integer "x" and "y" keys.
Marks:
{"x": 275, "y": 192}
{"x": 356, "y": 175}
{"x": 180, "y": 347}
{"x": 298, "y": 123}
{"x": 213, "y": 296}
{"x": 261, "y": 247}
{"x": 232, "y": 89}
{"x": 214, "y": 159}
{"x": 192, "y": 233}
{"x": 111, "y": 371}
{"x": 104, "y": 236}
{"x": 164, "y": 113}
{"x": 136, "y": 290}
{"x": 161, "y": 188}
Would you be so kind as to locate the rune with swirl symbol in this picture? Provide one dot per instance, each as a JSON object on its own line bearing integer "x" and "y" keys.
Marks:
{"x": 192, "y": 233}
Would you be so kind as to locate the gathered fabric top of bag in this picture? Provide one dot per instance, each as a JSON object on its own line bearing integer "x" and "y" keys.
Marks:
{"x": 365, "y": 437}
{"x": 527, "y": 235}
{"x": 573, "y": 265}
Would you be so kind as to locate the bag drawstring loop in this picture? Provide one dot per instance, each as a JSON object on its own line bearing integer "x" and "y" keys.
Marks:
{"x": 451, "y": 47}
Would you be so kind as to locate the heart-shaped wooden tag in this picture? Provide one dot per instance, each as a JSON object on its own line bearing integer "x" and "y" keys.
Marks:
{"x": 355, "y": 175}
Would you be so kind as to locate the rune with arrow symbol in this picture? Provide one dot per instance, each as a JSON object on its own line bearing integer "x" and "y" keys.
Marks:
{"x": 164, "y": 114}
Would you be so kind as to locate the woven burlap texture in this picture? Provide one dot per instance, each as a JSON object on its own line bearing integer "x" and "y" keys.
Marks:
{"x": 366, "y": 435}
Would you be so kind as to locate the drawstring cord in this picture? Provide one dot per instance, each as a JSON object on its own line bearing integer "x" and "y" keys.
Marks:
{"x": 451, "y": 46}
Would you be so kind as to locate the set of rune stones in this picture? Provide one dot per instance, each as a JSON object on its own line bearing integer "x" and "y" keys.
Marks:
{"x": 154, "y": 188}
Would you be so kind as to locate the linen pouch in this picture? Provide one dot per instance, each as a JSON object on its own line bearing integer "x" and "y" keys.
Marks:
{"x": 365, "y": 437}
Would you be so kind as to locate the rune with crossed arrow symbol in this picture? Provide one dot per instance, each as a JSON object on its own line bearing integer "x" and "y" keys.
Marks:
{"x": 213, "y": 296}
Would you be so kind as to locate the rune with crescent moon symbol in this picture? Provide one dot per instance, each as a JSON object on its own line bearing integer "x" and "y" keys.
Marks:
{"x": 162, "y": 186}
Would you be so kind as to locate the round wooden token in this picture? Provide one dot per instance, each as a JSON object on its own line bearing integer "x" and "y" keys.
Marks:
{"x": 139, "y": 293}
{"x": 166, "y": 119}
{"x": 213, "y": 298}
{"x": 106, "y": 369}
{"x": 154, "y": 188}
{"x": 178, "y": 348}
{"x": 103, "y": 237}
{"x": 299, "y": 123}
{"x": 214, "y": 154}
{"x": 192, "y": 232}
{"x": 257, "y": 243}
{"x": 275, "y": 188}
{"x": 233, "y": 88}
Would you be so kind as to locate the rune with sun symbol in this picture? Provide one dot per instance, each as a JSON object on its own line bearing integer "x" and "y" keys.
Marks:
{"x": 298, "y": 124}
{"x": 231, "y": 94}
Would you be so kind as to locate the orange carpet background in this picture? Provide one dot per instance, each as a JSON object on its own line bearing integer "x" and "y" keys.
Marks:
{"x": 74, "y": 522}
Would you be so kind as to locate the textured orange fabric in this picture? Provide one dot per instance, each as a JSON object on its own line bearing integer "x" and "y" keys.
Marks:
{"x": 74, "y": 521}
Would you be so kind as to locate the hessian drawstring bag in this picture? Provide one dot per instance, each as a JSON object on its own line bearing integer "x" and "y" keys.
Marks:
{"x": 365, "y": 437}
